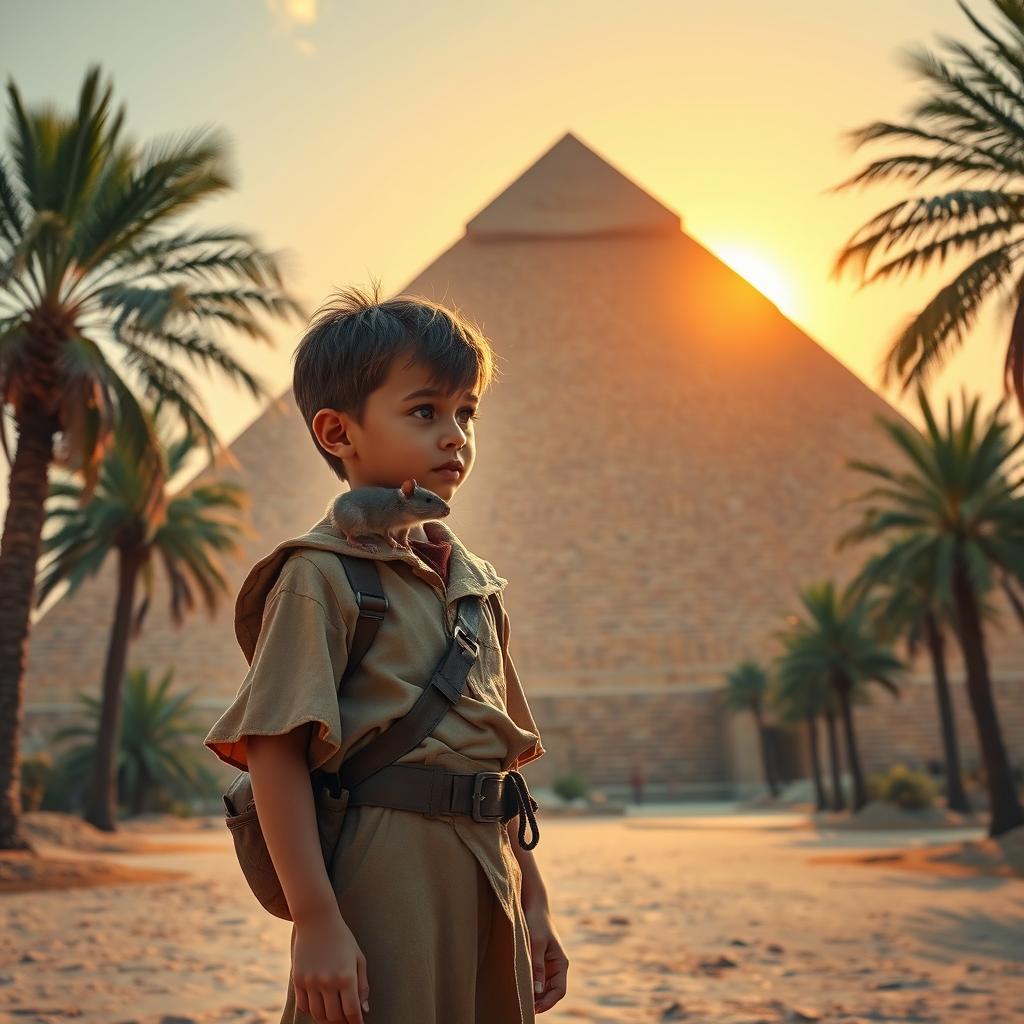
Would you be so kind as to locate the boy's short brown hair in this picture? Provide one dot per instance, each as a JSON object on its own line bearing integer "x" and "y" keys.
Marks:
{"x": 347, "y": 350}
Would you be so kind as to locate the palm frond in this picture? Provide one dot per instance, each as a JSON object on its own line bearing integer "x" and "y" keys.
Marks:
{"x": 969, "y": 125}
{"x": 13, "y": 215}
{"x": 943, "y": 324}
{"x": 168, "y": 177}
{"x": 91, "y": 247}
{"x": 972, "y": 510}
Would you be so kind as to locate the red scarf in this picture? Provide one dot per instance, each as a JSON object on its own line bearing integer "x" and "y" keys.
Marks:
{"x": 435, "y": 553}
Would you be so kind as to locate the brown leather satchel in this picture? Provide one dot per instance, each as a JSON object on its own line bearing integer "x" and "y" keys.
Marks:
{"x": 428, "y": 789}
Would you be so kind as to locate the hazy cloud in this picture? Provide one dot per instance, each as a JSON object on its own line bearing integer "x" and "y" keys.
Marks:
{"x": 294, "y": 12}
{"x": 291, "y": 16}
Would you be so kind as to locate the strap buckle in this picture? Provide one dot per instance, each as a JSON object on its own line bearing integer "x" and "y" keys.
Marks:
{"x": 478, "y": 782}
{"x": 331, "y": 781}
{"x": 466, "y": 640}
{"x": 371, "y": 606}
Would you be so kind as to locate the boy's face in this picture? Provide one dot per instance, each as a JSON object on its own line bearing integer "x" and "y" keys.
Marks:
{"x": 404, "y": 434}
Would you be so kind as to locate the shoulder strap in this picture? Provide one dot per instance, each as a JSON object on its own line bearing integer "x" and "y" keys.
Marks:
{"x": 373, "y": 605}
{"x": 444, "y": 688}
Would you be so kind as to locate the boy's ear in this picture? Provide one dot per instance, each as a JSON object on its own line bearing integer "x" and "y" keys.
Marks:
{"x": 330, "y": 429}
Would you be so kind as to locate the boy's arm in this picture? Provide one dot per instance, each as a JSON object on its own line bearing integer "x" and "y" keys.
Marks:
{"x": 534, "y": 892}
{"x": 279, "y": 775}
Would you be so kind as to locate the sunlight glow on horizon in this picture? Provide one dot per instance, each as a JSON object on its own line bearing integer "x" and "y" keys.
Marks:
{"x": 764, "y": 275}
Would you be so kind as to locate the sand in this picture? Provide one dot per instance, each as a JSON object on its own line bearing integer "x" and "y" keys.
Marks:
{"x": 22, "y": 871}
{"x": 51, "y": 828}
{"x": 64, "y": 849}
{"x": 1001, "y": 857}
{"x": 876, "y": 815}
{"x": 731, "y": 919}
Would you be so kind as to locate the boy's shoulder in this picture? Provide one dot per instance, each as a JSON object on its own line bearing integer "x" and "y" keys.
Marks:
{"x": 294, "y": 566}
{"x": 320, "y": 576}
{"x": 305, "y": 570}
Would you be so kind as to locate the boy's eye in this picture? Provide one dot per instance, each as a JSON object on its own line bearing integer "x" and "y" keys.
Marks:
{"x": 473, "y": 414}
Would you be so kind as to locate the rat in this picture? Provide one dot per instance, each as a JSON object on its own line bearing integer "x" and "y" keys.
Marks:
{"x": 385, "y": 511}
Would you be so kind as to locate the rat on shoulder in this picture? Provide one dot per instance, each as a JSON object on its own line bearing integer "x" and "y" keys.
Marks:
{"x": 385, "y": 511}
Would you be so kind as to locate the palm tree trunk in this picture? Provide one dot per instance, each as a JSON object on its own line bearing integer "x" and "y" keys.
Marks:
{"x": 819, "y": 789}
{"x": 101, "y": 803}
{"x": 141, "y": 791}
{"x": 860, "y": 793}
{"x": 766, "y": 763}
{"x": 838, "y": 800}
{"x": 1006, "y": 808}
{"x": 956, "y": 796}
{"x": 19, "y": 552}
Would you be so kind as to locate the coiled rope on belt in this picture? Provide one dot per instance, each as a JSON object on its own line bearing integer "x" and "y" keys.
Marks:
{"x": 527, "y": 805}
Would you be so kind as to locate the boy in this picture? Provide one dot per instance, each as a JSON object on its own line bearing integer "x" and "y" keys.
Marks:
{"x": 425, "y": 917}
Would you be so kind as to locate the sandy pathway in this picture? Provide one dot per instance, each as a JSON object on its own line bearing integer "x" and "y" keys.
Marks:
{"x": 665, "y": 919}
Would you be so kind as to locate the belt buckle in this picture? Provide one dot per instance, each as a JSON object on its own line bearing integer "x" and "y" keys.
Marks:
{"x": 467, "y": 643}
{"x": 478, "y": 781}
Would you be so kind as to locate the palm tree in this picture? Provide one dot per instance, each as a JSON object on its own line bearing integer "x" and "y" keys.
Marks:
{"x": 131, "y": 513}
{"x": 800, "y": 697}
{"x": 803, "y": 692}
{"x": 157, "y": 754}
{"x": 969, "y": 126}
{"x": 747, "y": 685}
{"x": 838, "y": 797}
{"x": 836, "y": 643}
{"x": 955, "y": 511}
{"x": 908, "y": 609}
{"x": 101, "y": 287}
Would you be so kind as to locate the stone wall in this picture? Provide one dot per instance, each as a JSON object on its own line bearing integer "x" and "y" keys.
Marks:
{"x": 684, "y": 743}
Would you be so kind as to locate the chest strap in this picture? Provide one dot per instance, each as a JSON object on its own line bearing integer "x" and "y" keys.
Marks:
{"x": 371, "y": 775}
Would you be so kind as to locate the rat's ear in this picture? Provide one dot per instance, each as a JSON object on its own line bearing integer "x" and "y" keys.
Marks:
{"x": 408, "y": 486}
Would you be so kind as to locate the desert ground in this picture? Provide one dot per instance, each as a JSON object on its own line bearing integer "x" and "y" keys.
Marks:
{"x": 700, "y": 915}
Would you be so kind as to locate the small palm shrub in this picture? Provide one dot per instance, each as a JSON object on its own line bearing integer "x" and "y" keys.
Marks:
{"x": 570, "y": 786}
{"x": 159, "y": 765}
{"x": 36, "y": 770}
{"x": 912, "y": 790}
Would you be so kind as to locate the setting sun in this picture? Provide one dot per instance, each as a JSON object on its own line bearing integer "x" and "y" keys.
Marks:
{"x": 762, "y": 274}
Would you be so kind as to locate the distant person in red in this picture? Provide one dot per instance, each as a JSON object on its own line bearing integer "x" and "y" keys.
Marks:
{"x": 637, "y": 780}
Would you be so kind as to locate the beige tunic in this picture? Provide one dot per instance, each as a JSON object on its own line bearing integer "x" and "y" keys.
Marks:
{"x": 433, "y": 902}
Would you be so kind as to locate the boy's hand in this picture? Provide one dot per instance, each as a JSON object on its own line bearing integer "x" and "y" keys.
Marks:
{"x": 329, "y": 970}
{"x": 550, "y": 964}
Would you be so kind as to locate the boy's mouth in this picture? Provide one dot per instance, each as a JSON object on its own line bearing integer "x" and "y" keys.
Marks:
{"x": 451, "y": 470}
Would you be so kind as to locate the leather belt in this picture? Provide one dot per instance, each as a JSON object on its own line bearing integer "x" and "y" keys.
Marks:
{"x": 433, "y": 790}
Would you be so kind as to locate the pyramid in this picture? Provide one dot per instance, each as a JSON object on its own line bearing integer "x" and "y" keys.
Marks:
{"x": 571, "y": 191}
{"x": 660, "y": 466}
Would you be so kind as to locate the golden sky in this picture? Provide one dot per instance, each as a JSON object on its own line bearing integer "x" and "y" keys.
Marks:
{"x": 366, "y": 134}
